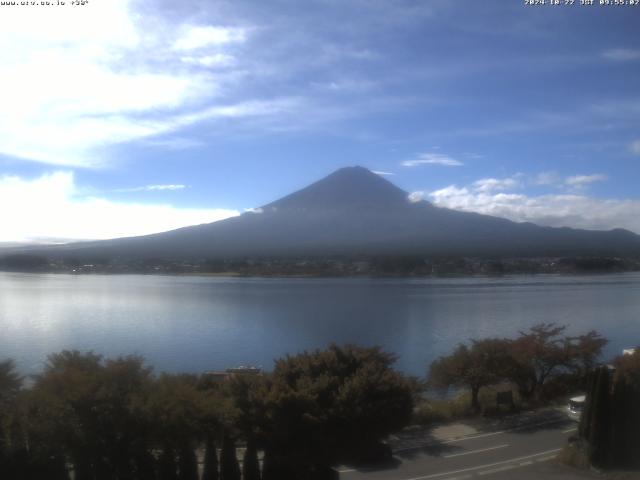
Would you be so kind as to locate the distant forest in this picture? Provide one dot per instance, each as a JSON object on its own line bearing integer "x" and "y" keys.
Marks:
{"x": 336, "y": 266}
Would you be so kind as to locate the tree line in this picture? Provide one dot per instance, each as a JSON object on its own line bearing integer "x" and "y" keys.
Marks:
{"x": 541, "y": 363}
{"x": 96, "y": 418}
{"x": 93, "y": 418}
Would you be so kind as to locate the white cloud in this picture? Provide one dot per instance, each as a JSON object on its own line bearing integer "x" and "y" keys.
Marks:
{"x": 165, "y": 187}
{"x": 174, "y": 143}
{"x": 415, "y": 197}
{"x": 580, "y": 181}
{"x": 495, "y": 184}
{"x": 622, "y": 54}
{"x": 547, "y": 178}
{"x": 577, "y": 211}
{"x": 432, "y": 159}
{"x": 380, "y": 172}
{"x": 635, "y": 147}
{"x": 572, "y": 183}
{"x": 217, "y": 60}
{"x": 51, "y": 206}
{"x": 196, "y": 37}
{"x": 77, "y": 79}
{"x": 153, "y": 188}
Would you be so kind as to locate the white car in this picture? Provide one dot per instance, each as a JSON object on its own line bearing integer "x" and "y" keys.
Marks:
{"x": 576, "y": 406}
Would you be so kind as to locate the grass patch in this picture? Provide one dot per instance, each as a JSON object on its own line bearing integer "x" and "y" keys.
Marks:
{"x": 431, "y": 410}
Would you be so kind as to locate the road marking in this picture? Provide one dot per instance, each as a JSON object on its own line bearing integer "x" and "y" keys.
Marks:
{"x": 545, "y": 459}
{"x": 570, "y": 430}
{"x": 499, "y": 469}
{"x": 524, "y": 464}
{"x": 475, "y": 451}
{"x": 479, "y": 467}
{"x": 347, "y": 470}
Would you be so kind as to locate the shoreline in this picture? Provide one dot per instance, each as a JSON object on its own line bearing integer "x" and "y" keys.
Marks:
{"x": 232, "y": 274}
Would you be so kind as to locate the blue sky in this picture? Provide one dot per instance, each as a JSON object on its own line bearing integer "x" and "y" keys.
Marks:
{"x": 124, "y": 117}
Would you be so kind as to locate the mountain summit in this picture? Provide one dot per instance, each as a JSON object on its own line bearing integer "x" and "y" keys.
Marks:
{"x": 351, "y": 212}
{"x": 349, "y": 187}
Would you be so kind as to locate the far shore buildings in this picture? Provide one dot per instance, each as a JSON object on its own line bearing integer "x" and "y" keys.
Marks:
{"x": 223, "y": 375}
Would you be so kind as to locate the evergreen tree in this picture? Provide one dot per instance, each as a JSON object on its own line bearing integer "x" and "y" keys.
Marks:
{"x": 277, "y": 468}
{"x": 167, "y": 468}
{"x": 625, "y": 411}
{"x": 599, "y": 430}
{"x": 269, "y": 467}
{"x": 52, "y": 468}
{"x": 210, "y": 461}
{"x": 229, "y": 468}
{"x": 250, "y": 464}
{"x": 82, "y": 469}
{"x": 611, "y": 420}
{"x": 618, "y": 429}
{"x": 584, "y": 427}
{"x": 188, "y": 464}
{"x": 145, "y": 465}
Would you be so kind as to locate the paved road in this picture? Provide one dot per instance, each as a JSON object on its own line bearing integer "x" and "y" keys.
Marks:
{"x": 523, "y": 453}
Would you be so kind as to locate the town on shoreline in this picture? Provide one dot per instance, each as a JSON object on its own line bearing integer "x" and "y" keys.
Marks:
{"x": 336, "y": 266}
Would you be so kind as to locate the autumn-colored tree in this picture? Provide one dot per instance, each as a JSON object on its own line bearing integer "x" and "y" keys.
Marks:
{"x": 66, "y": 392}
{"x": 542, "y": 352}
{"x": 473, "y": 367}
{"x": 333, "y": 405}
{"x": 583, "y": 352}
{"x": 182, "y": 412}
{"x": 12, "y": 460}
{"x": 92, "y": 407}
{"x": 247, "y": 410}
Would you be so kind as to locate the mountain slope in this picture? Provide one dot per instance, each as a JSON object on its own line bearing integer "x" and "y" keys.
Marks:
{"x": 353, "y": 211}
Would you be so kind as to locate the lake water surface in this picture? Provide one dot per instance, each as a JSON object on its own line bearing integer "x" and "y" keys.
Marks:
{"x": 203, "y": 323}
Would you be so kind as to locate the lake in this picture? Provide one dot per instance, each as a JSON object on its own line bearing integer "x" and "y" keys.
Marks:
{"x": 194, "y": 324}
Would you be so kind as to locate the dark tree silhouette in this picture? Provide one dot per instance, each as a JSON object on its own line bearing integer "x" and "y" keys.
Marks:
{"x": 210, "y": 471}
{"x": 167, "y": 468}
{"x": 145, "y": 465}
{"x": 188, "y": 464}
{"x": 610, "y": 423}
{"x": 229, "y": 467}
{"x": 250, "y": 464}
